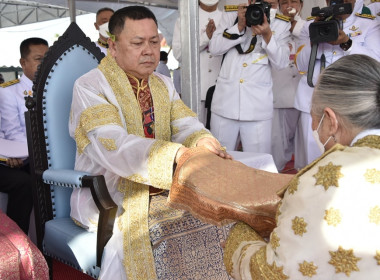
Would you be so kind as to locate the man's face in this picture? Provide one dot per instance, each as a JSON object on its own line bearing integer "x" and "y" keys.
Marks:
{"x": 30, "y": 63}
{"x": 288, "y": 5}
{"x": 137, "y": 48}
{"x": 102, "y": 18}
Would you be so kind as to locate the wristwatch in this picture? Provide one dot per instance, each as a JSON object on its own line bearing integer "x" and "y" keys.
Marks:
{"x": 346, "y": 46}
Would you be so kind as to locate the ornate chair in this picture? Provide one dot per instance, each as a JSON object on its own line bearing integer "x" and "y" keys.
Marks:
{"x": 52, "y": 157}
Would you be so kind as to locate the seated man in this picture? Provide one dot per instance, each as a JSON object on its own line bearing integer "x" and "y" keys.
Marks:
{"x": 130, "y": 125}
{"x": 14, "y": 174}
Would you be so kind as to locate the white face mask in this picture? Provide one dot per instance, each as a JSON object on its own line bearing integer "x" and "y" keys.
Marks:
{"x": 103, "y": 29}
{"x": 273, "y": 13}
{"x": 321, "y": 146}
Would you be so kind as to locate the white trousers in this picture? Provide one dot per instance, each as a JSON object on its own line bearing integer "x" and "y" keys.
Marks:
{"x": 284, "y": 125}
{"x": 306, "y": 149}
{"x": 255, "y": 136}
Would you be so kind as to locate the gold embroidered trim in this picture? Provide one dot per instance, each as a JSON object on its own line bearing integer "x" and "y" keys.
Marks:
{"x": 308, "y": 269}
{"x": 274, "y": 240}
{"x": 193, "y": 138}
{"x": 333, "y": 217}
{"x": 134, "y": 224}
{"x": 175, "y": 129}
{"x": 137, "y": 178}
{"x": 239, "y": 232}
{"x": 81, "y": 140}
{"x": 261, "y": 270}
{"x": 372, "y": 176}
{"x": 160, "y": 163}
{"x": 377, "y": 257}
{"x": 344, "y": 261}
{"x": 79, "y": 224}
{"x": 180, "y": 110}
{"x": 109, "y": 144}
{"x": 374, "y": 215}
{"x": 371, "y": 141}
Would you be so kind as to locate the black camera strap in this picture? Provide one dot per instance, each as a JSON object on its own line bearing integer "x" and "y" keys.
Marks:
{"x": 310, "y": 70}
{"x": 237, "y": 36}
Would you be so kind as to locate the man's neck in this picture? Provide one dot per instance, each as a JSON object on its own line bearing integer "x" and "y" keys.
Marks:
{"x": 208, "y": 9}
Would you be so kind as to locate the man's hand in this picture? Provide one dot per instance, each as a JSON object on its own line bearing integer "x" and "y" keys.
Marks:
{"x": 213, "y": 146}
{"x": 180, "y": 152}
{"x": 263, "y": 30}
{"x": 242, "y": 8}
{"x": 15, "y": 162}
{"x": 342, "y": 38}
{"x": 210, "y": 28}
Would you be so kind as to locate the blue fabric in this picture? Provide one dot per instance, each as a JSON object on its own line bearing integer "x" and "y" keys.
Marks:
{"x": 71, "y": 243}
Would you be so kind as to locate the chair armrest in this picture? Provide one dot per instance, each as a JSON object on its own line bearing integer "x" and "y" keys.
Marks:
{"x": 102, "y": 198}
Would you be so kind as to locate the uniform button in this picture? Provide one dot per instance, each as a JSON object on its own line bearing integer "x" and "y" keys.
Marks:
{"x": 210, "y": 56}
{"x": 209, "y": 70}
{"x": 245, "y": 64}
{"x": 241, "y": 81}
{"x": 334, "y": 52}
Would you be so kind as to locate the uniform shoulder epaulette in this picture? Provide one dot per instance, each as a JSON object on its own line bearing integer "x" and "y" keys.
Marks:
{"x": 373, "y": 1}
{"x": 9, "y": 83}
{"x": 310, "y": 18}
{"x": 365, "y": 16}
{"x": 282, "y": 17}
{"x": 231, "y": 8}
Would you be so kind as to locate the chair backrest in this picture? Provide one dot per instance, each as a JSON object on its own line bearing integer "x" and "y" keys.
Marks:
{"x": 71, "y": 56}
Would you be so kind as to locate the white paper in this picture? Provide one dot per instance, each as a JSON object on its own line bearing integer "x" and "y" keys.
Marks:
{"x": 13, "y": 149}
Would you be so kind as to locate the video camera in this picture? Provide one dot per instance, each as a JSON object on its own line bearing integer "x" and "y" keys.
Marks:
{"x": 327, "y": 30}
{"x": 255, "y": 13}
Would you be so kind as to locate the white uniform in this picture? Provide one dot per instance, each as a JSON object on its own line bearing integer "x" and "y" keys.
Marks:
{"x": 285, "y": 116}
{"x": 12, "y": 108}
{"x": 101, "y": 47}
{"x": 243, "y": 100}
{"x": 163, "y": 69}
{"x": 209, "y": 64}
{"x": 365, "y": 34}
{"x": 375, "y": 9}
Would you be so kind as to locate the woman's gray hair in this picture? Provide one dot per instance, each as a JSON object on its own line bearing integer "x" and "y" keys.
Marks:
{"x": 351, "y": 88}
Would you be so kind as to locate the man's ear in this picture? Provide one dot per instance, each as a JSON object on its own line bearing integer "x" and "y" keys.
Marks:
{"x": 332, "y": 120}
{"x": 22, "y": 62}
{"x": 96, "y": 26}
{"x": 111, "y": 47}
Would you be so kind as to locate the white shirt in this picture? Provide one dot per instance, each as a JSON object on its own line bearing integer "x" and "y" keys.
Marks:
{"x": 163, "y": 69}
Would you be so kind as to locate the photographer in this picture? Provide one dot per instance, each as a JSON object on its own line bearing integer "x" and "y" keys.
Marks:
{"x": 360, "y": 35}
{"x": 242, "y": 104}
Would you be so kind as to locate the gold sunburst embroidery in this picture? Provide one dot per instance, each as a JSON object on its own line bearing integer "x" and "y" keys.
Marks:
{"x": 333, "y": 217}
{"x": 109, "y": 144}
{"x": 344, "y": 261}
{"x": 293, "y": 185}
{"x": 328, "y": 176}
{"x": 308, "y": 268}
{"x": 278, "y": 212}
{"x": 274, "y": 240}
{"x": 374, "y": 215}
{"x": 278, "y": 272}
{"x": 299, "y": 226}
{"x": 377, "y": 257}
{"x": 372, "y": 176}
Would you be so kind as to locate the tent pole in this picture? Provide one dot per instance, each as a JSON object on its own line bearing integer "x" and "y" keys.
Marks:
{"x": 71, "y": 5}
{"x": 190, "y": 76}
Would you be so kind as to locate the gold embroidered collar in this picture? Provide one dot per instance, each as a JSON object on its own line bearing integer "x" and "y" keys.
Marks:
{"x": 371, "y": 141}
{"x": 102, "y": 43}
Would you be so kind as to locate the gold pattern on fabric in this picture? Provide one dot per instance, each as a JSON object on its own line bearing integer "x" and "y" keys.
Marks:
{"x": 278, "y": 212}
{"x": 308, "y": 269}
{"x": 299, "y": 226}
{"x": 109, "y": 144}
{"x": 261, "y": 270}
{"x": 160, "y": 163}
{"x": 372, "y": 176}
{"x": 377, "y": 257}
{"x": 175, "y": 129}
{"x": 344, "y": 261}
{"x": 293, "y": 185}
{"x": 374, "y": 215}
{"x": 179, "y": 110}
{"x": 274, "y": 240}
{"x": 371, "y": 141}
{"x": 134, "y": 225}
{"x": 328, "y": 176}
{"x": 93, "y": 117}
{"x": 138, "y": 256}
{"x": 333, "y": 217}
{"x": 239, "y": 232}
{"x": 137, "y": 178}
{"x": 193, "y": 138}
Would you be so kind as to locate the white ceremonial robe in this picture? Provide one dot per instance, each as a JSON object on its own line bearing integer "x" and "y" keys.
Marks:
{"x": 365, "y": 34}
{"x": 328, "y": 223}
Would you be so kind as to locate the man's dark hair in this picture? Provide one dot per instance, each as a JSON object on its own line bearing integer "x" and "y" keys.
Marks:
{"x": 25, "y": 45}
{"x": 106, "y": 9}
{"x": 116, "y": 23}
{"x": 163, "y": 56}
